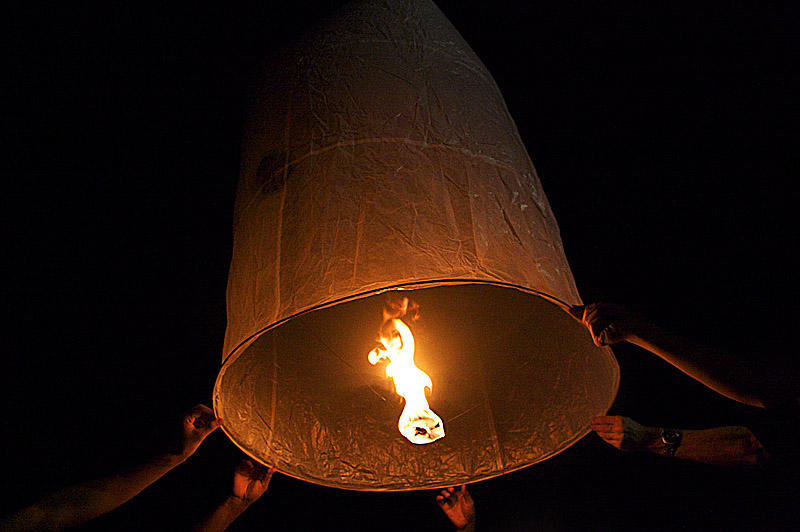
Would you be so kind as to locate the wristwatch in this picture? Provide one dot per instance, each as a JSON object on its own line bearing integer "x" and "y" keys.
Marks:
{"x": 671, "y": 439}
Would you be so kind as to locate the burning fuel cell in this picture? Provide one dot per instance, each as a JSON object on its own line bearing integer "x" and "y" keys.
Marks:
{"x": 418, "y": 423}
{"x": 380, "y": 161}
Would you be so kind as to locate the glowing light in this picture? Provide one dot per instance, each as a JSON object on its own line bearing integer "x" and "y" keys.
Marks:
{"x": 418, "y": 423}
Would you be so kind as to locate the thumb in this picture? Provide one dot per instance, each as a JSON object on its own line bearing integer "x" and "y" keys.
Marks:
{"x": 577, "y": 312}
{"x": 211, "y": 427}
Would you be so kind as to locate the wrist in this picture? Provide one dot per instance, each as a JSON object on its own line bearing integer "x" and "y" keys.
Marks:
{"x": 643, "y": 333}
{"x": 171, "y": 459}
{"x": 469, "y": 527}
{"x": 237, "y": 502}
{"x": 177, "y": 450}
{"x": 653, "y": 439}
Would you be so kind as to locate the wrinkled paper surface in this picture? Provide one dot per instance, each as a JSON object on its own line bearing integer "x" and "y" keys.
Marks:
{"x": 378, "y": 153}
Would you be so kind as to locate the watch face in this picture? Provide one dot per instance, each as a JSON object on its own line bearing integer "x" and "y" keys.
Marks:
{"x": 671, "y": 436}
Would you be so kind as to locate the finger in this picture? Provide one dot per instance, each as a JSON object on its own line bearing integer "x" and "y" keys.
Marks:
{"x": 268, "y": 475}
{"x": 215, "y": 424}
{"x": 204, "y": 431}
{"x": 617, "y": 444}
{"x": 599, "y": 332}
{"x": 256, "y": 470}
{"x": 607, "y": 334}
{"x": 200, "y": 410}
{"x": 201, "y": 416}
{"x": 594, "y": 313}
{"x": 607, "y": 420}
{"x": 261, "y": 470}
{"x": 243, "y": 467}
{"x": 596, "y": 329}
{"x": 590, "y": 313}
{"x": 611, "y": 436}
{"x": 614, "y": 443}
{"x": 602, "y": 322}
{"x": 194, "y": 413}
{"x": 609, "y": 429}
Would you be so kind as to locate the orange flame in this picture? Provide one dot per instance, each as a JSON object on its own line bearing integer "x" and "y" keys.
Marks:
{"x": 418, "y": 423}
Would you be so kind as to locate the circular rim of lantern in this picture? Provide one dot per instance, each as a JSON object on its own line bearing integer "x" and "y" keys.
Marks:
{"x": 241, "y": 348}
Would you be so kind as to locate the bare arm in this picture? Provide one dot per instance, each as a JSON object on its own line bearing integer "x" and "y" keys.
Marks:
{"x": 720, "y": 446}
{"x": 82, "y": 502}
{"x": 222, "y": 516}
{"x": 742, "y": 380}
{"x": 250, "y": 481}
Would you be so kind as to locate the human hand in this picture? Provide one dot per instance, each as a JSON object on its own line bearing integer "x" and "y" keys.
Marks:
{"x": 250, "y": 481}
{"x": 609, "y": 323}
{"x": 196, "y": 425}
{"x": 458, "y": 506}
{"x": 626, "y": 434}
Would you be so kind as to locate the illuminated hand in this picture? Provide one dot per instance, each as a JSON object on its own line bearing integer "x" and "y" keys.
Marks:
{"x": 609, "y": 323}
{"x": 250, "y": 481}
{"x": 196, "y": 425}
{"x": 626, "y": 434}
{"x": 458, "y": 506}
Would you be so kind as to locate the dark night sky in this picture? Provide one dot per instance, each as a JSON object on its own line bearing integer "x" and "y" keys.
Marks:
{"x": 664, "y": 138}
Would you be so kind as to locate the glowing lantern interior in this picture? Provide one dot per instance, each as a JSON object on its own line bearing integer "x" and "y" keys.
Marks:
{"x": 378, "y": 154}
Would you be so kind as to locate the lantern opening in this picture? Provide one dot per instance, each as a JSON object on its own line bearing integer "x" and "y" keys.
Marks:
{"x": 516, "y": 381}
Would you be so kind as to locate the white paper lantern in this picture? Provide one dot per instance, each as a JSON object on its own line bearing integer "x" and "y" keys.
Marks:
{"x": 379, "y": 155}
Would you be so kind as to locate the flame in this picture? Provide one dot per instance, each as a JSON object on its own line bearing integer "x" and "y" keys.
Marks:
{"x": 418, "y": 423}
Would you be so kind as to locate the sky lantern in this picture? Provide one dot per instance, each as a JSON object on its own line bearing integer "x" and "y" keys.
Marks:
{"x": 398, "y": 288}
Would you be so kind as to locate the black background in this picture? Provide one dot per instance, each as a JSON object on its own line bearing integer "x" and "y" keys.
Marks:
{"x": 664, "y": 135}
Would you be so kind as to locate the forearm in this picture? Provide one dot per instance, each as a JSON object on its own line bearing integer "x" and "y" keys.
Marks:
{"x": 82, "y": 502}
{"x": 720, "y": 446}
{"x": 726, "y": 446}
{"x": 225, "y": 514}
{"x": 742, "y": 380}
